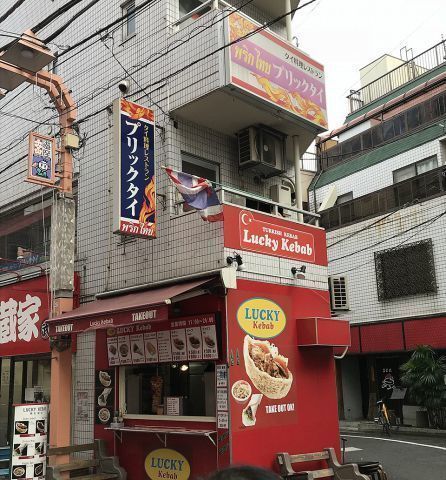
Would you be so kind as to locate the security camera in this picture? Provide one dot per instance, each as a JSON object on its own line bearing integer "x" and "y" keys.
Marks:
{"x": 299, "y": 272}
{"x": 124, "y": 86}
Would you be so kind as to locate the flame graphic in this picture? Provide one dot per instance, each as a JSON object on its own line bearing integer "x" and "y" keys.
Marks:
{"x": 149, "y": 203}
{"x": 239, "y": 26}
{"x": 292, "y": 101}
{"x": 136, "y": 111}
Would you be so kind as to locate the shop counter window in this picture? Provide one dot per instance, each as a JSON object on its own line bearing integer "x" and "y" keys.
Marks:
{"x": 170, "y": 389}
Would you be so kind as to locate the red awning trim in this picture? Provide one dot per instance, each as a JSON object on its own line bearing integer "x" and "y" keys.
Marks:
{"x": 323, "y": 332}
{"x": 150, "y": 305}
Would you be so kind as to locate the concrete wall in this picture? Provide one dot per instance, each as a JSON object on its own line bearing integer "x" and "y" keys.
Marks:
{"x": 351, "y": 389}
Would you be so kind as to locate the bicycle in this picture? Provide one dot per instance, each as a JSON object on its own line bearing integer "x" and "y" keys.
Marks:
{"x": 386, "y": 418}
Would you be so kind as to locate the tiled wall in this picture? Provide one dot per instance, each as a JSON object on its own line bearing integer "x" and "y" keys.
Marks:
{"x": 380, "y": 175}
{"x": 84, "y": 389}
{"x": 185, "y": 243}
{"x": 406, "y": 226}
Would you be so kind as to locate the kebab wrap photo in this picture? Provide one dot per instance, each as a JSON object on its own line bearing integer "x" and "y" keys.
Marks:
{"x": 267, "y": 369}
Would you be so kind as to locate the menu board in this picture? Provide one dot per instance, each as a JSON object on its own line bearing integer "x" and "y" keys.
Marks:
{"x": 104, "y": 396}
{"x": 29, "y": 441}
{"x": 179, "y": 340}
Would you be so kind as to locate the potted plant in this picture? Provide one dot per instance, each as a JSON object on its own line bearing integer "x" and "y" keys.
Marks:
{"x": 424, "y": 376}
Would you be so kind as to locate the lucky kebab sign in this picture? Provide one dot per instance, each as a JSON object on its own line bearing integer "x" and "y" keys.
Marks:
{"x": 24, "y": 307}
{"x": 274, "y": 236}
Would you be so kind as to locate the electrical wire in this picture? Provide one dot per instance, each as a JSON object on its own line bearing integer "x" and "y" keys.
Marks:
{"x": 99, "y": 90}
{"x": 11, "y": 10}
{"x": 169, "y": 76}
{"x": 380, "y": 220}
{"x": 385, "y": 240}
{"x": 433, "y": 220}
{"x": 70, "y": 21}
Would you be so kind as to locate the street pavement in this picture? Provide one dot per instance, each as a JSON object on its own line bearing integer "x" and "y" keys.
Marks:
{"x": 403, "y": 457}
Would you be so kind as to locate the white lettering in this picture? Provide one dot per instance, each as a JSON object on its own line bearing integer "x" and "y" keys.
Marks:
{"x": 64, "y": 328}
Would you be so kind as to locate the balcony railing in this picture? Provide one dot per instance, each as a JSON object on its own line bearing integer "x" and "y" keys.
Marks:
{"x": 405, "y": 73}
{"x": 420, "y": 187}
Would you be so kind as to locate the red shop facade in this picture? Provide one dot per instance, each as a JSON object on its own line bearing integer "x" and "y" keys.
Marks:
{"x": 378, "y": 349}
{"x": 25, "y": 359}
{"x": 203, "y": 373}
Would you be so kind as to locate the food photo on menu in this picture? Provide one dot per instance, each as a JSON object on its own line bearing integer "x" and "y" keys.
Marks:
{"x": 38, "y": 469}
{"x": 40, "y": 448}
{"x": 105, "y": 378}
{"x": 20, "y": 450}
{"x": 21, "y": 428}
{"x": 19, "y": 471}
{"x": 104, "y": 415}
{"x": 40, "y": 426}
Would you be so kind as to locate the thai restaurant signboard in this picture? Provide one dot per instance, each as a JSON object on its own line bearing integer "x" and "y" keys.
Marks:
{"x": 270, "y": 68}
{"x": 274, "y": 236}
{"x": 24, "y": 307}
{"x": 134, "y": 194}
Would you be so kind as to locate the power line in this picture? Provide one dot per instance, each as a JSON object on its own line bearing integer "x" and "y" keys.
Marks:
{"x": 11, "y": 10}
{"x": 160, "y": 54}
{"x": 385, "y": 240}
{"x": 70, "y": 21}
{"x": 431, "y": 221}
{"x": 248, "y": 35}
{"x": 369, "y": 226}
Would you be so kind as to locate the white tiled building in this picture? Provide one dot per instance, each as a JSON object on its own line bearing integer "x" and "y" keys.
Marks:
{"x": 177, "y": 67}
{"x": 381, "y": 197}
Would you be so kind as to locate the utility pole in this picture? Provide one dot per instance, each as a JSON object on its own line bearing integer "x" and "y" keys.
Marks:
{"x": 23, "y": 62}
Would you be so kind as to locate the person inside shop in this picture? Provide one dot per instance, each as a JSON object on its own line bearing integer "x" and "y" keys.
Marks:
{"x": 244, "y": 473}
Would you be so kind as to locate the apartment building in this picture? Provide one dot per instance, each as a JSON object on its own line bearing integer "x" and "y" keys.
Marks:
{"x": 380, "y": 195}
{"x": 233, "y": 101}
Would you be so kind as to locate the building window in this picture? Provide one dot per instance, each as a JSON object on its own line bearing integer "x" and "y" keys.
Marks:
{"x": 148, "y": 388}
{"x": 200, "y": 168}
{"x": 346, "y": 197}
{"x": 405, "y": 271}
{"x": 186, "y": 6}
{"x": 415, "y": 169}
{"x": 338, "y": 293}
{"x": 129, "y": 25}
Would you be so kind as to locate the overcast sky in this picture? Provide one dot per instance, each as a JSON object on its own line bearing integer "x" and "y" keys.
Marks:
{"x": 345, "y": 35}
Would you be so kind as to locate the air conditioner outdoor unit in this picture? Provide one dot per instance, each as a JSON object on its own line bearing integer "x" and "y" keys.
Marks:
{"x": 280, "y": 194}
{"x": 262, "y": 150}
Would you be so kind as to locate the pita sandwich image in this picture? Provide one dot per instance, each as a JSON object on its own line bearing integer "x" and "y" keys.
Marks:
{"x": 249, "y": 413}
{"x": 267, "y": 369}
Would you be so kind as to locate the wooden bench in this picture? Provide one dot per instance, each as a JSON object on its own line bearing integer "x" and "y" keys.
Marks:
{"x": 99, "y": 467}
{"x": 335, "y": 470}
{"x": 5, "y": 461}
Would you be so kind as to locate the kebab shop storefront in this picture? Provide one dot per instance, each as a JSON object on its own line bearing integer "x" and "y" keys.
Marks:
{"x": 25, "y": 358}
{"x": 194, "y": 376}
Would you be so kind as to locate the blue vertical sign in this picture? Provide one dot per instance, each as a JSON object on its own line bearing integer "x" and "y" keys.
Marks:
{"x": 135, "y": 194}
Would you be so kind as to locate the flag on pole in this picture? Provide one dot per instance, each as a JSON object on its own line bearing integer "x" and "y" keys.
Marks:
{"x": 198, "y": 193}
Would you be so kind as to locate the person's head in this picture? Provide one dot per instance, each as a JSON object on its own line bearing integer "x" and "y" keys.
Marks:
{"x": 244, "y": 473}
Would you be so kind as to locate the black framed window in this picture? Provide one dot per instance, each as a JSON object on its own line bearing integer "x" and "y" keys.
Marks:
{"x": 377, "y": 135}
{"x": 405, "y": 271}
{"x": 414, "y": 117}
{"x": 129, "y": 25}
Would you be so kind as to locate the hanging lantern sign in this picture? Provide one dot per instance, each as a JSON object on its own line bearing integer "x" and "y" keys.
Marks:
{"x": 41, "y": 159}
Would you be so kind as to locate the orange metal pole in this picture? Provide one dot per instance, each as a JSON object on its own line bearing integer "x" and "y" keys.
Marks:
{"x": 61, "y": 365}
